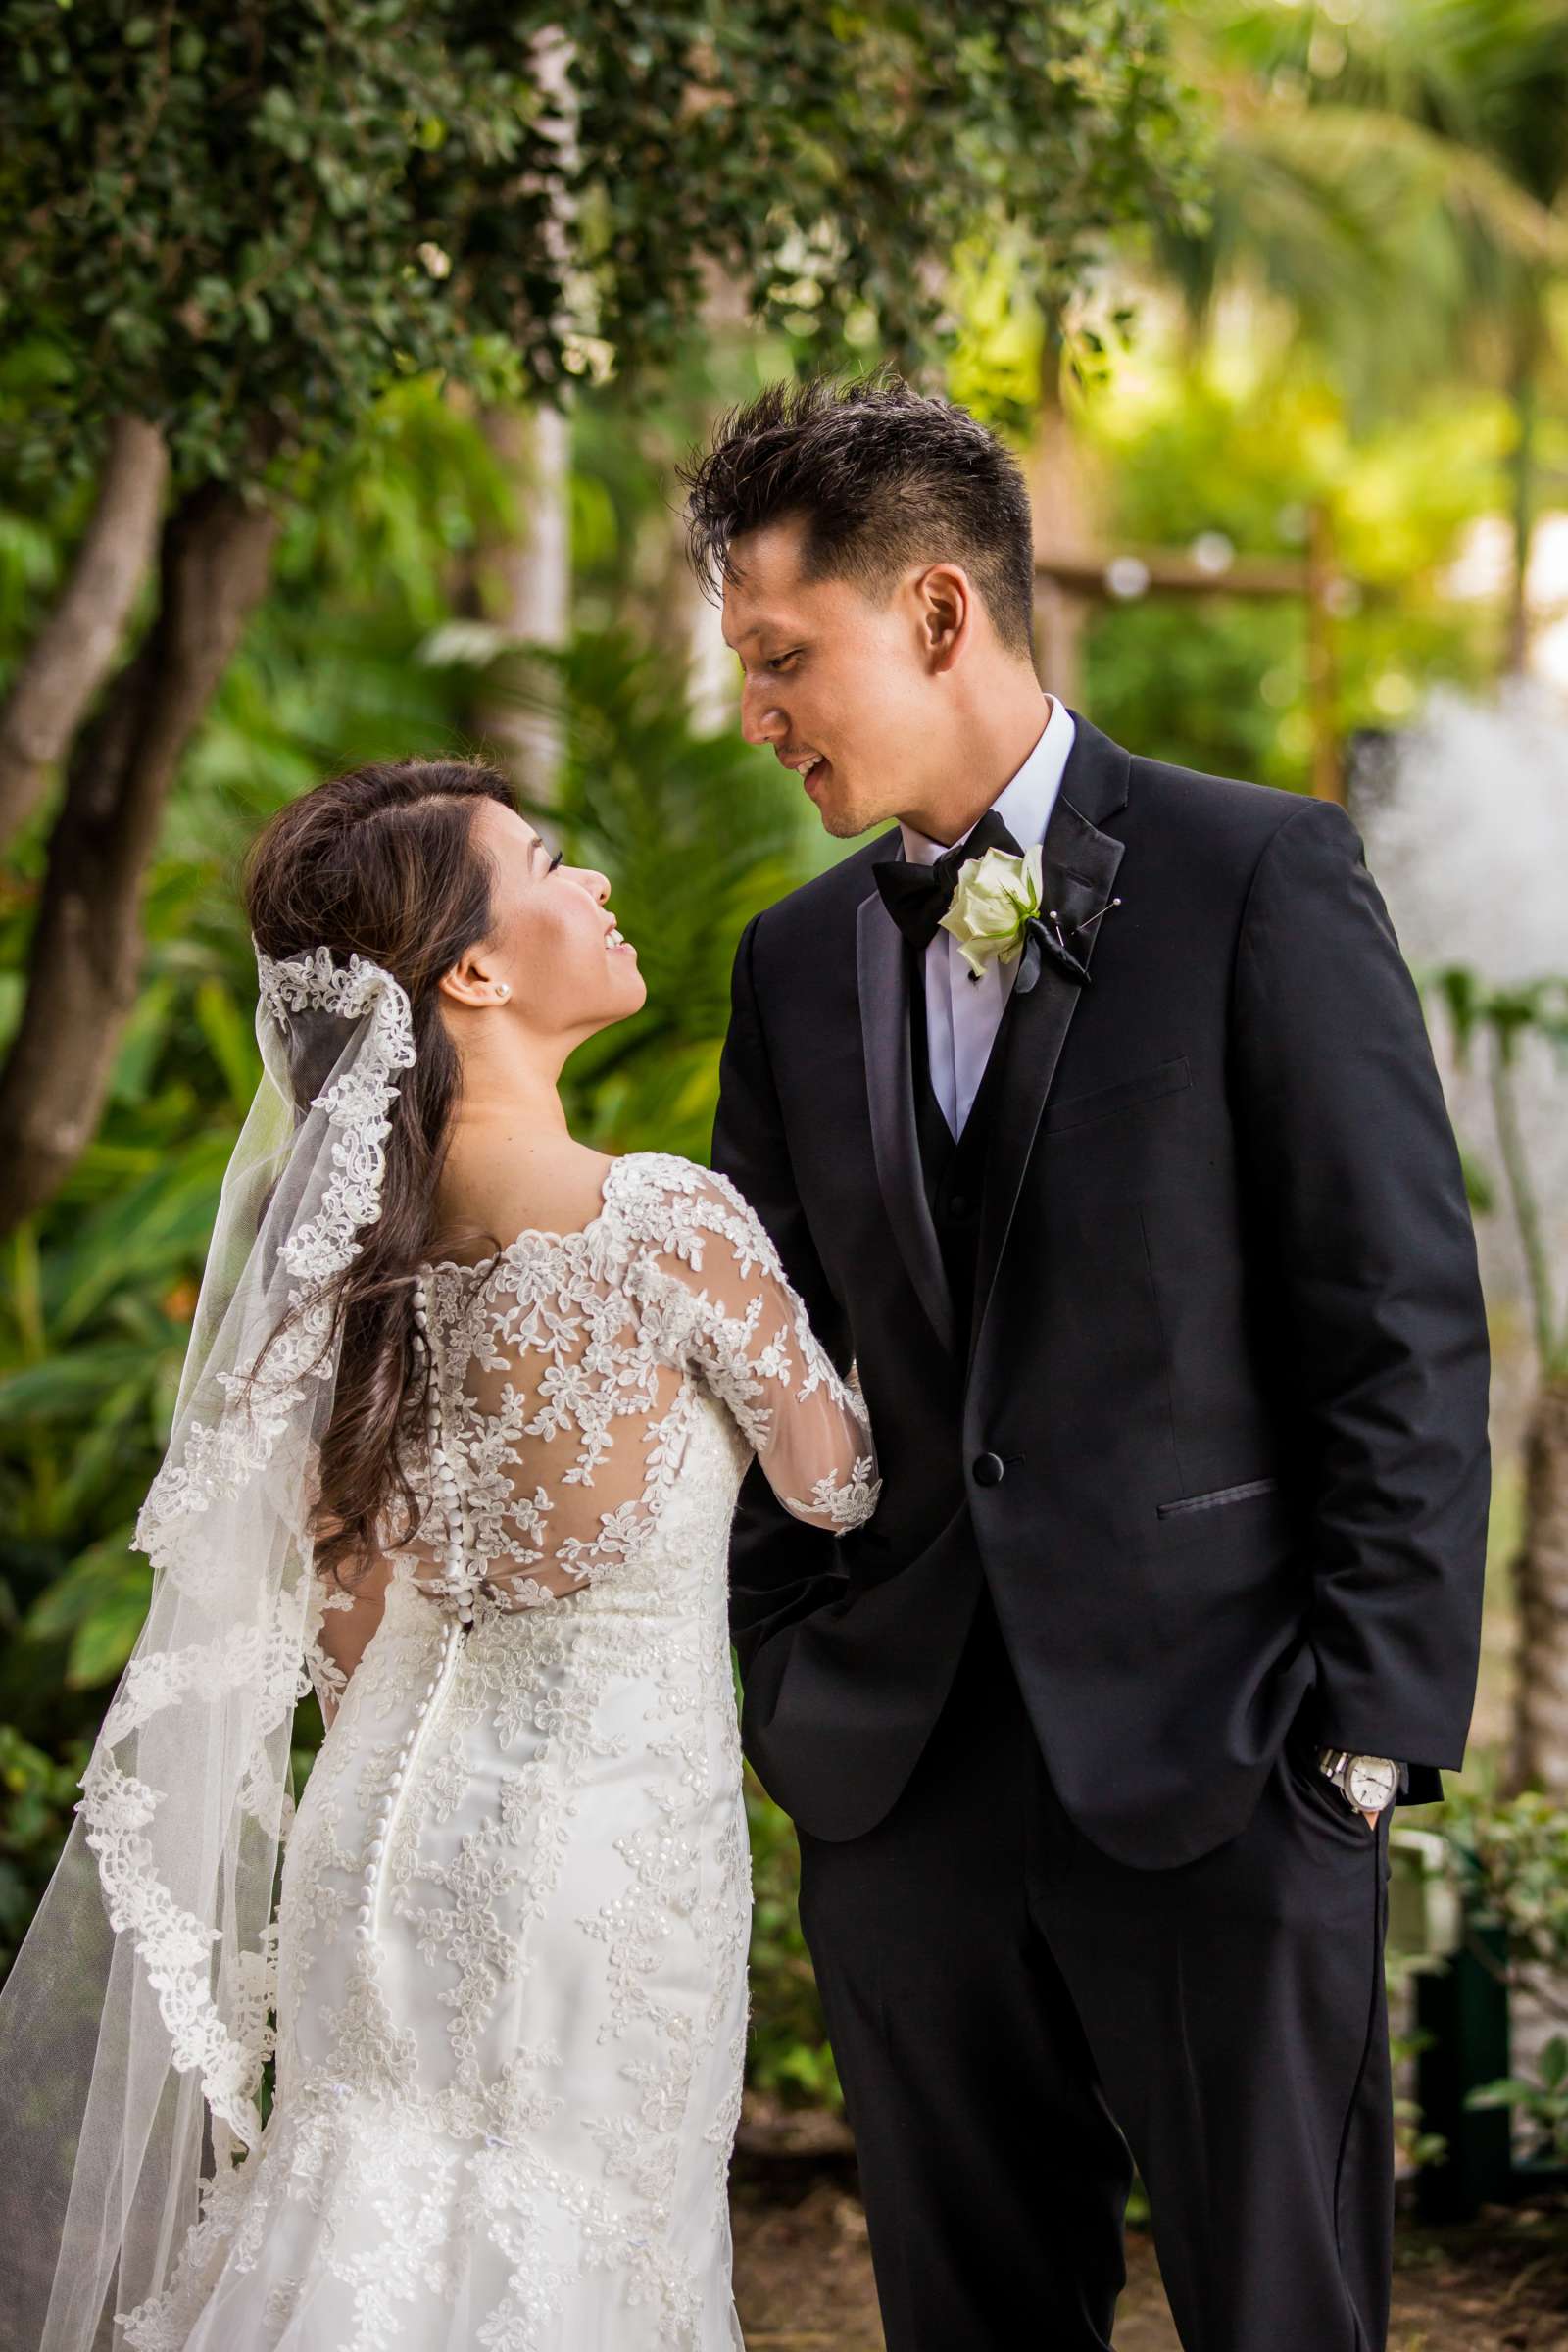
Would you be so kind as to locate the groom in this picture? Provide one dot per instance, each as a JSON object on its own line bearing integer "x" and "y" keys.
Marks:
{"x": 1162, "y": 1285}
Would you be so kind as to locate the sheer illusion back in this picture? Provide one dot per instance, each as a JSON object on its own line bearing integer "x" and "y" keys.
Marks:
{"x": 565, "y": 1372}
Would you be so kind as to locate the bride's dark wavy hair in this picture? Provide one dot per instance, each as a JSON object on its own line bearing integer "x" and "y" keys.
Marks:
{"x": 382, "y": 862}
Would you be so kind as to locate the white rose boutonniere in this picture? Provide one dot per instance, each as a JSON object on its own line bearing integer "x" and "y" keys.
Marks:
{"x": 996, "y": 897}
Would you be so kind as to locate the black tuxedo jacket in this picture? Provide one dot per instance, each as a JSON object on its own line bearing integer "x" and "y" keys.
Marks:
{"x": 1216, "y": 1437}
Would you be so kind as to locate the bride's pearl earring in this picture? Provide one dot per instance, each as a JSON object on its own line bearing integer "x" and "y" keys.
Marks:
{"x": 503, "y": 989}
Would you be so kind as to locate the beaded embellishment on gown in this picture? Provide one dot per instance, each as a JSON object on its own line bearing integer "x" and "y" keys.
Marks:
{"x": 511, "y": 1932}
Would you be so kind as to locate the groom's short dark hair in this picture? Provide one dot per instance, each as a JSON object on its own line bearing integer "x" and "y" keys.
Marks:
{"x": 881, "y": 476}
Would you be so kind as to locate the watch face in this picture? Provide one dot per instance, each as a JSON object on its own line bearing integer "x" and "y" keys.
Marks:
{"x": 1373, "y": 1780}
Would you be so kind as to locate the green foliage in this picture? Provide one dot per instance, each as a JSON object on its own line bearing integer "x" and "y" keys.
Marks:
{"x": 38, "y": 1795}
{"x": 99, "y": 1604}
{"x": 1542, "y": 2098}
{"x": 1185, "y": 683}
{"x": 1509, "y": 1859}
{"x": 789, "y": 2055}
{"x": 247, "y": 226}
{"x": 628, "y": 560}
{"x": 1531, "y": 1009}
{"x": 1415, "y": 2143}
{"x": 90, "y": 1350}
{"x": 1236, "y": 455}
{"x": 368, "y": 562}
{"x": 1401, "y": 161}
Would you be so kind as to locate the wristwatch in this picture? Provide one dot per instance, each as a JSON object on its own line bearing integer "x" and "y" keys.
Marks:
{"x": 1366, "y": 1783}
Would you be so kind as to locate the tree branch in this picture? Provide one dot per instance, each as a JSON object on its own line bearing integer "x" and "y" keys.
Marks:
{"x": 70, "y": 657}
{"x": 215, "y": 563}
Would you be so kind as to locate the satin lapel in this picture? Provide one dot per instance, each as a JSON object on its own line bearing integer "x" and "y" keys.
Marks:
{"x": 890, "y": 1093}
{"x": 1079, "y": 875}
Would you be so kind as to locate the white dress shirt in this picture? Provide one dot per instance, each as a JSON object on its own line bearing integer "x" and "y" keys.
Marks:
{"x": 962, "y": 1014}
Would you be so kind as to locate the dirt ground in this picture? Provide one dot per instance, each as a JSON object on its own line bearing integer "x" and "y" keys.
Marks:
{"x": 803, "y": 2267}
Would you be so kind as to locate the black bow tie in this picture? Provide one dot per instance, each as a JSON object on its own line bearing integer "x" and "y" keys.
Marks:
{"x": 918, "y": 896}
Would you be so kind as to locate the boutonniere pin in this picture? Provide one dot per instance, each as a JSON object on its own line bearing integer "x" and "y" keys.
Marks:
{"x": 997, "y": 917}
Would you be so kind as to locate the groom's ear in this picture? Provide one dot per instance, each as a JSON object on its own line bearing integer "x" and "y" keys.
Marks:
{"x": 945, "y": 610}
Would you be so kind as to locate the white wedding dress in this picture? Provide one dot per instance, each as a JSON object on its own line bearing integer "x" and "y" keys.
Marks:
{"x": 512, "y": 1925}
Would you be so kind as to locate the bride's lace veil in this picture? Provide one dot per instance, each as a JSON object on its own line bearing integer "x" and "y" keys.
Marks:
{"x": 135, "y": 2025}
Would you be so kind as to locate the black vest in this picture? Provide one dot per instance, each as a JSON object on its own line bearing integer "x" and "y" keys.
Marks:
{"x": 954, "y": 1168}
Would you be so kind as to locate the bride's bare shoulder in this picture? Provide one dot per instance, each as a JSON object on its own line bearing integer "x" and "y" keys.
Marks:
{"x": 497, "y": 1186}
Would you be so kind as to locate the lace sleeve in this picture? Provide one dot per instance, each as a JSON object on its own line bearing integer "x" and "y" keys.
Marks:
{"x": 741, "y": 1328}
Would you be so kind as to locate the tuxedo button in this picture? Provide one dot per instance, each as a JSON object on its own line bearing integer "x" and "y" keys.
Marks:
{"x": 989, "y": 1470}
{"x": 957, "y": 1206}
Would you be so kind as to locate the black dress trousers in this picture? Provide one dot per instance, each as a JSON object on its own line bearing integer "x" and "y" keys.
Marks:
{"x": 1017, "y": 2018}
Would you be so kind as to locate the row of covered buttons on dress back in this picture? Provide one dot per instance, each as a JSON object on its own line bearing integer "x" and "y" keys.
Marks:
{"x": 381, "y": 1824}
{"x": 449, "y": 1496}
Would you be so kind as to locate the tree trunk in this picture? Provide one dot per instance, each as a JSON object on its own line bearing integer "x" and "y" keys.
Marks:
{"x": 70, "y": 657}
{"x": 693, "y": 624}
{"x": 530, "y": 590}
{"x": 525, "y": 583}
{"x": 1541, "y": 1575}
{"x": 215, "y": 563}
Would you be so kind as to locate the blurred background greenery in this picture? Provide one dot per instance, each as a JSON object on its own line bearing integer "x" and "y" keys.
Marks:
{"x": 1273, "y": 303}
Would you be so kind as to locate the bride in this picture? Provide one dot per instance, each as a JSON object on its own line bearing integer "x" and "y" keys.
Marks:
{"x": 458, "y": 1438}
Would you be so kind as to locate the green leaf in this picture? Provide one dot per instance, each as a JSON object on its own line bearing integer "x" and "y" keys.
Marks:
{"x": 157, "y": 1228}
{"x": 74, "y": 1386}
{"x": 1508, "y": 2092}
{"x": 100, "y": 1602}
{"x": 1479, "y": 1189}
{"x": 105, "y": 1639}
{"x": 232, "y": 1039}
{"x": 141, "y": 1041}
